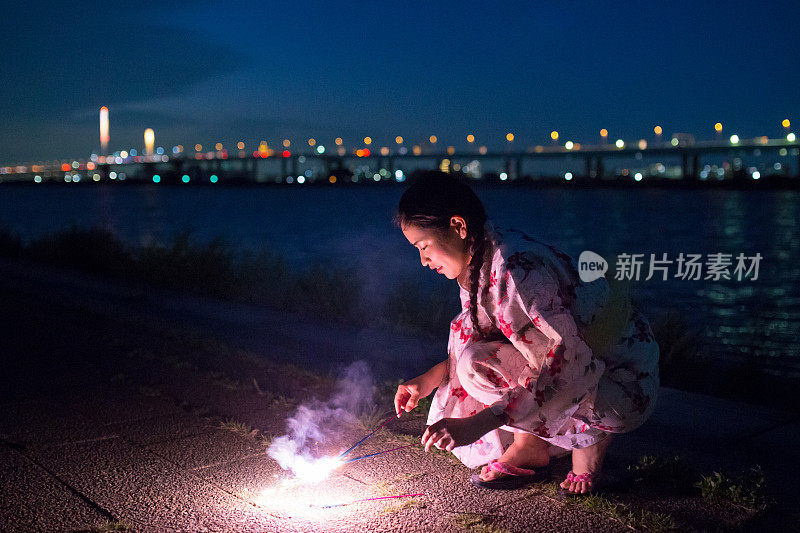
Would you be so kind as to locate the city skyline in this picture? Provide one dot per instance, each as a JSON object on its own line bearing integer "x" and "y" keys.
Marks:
{"x": 200, "y": 74}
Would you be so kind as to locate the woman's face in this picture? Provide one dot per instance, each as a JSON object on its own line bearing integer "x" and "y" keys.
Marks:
{"x": 447, "y": 254}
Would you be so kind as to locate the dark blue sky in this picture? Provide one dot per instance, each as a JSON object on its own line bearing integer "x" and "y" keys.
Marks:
{"x": 199, "y": 72}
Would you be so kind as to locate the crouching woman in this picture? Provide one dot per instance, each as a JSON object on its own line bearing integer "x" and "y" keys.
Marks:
{"x": 537, "y": 359}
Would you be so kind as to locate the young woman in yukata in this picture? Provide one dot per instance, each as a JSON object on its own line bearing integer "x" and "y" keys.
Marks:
{"x": 536, "y": 357}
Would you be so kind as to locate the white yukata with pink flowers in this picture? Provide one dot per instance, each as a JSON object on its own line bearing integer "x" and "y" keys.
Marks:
{"x": 534, "y": 363}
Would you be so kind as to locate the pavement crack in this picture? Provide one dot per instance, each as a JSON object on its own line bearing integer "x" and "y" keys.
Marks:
{"x": 94, "y": 505}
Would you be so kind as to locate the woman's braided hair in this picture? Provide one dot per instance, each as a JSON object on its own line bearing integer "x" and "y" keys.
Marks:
{"x": 430, "y": 202}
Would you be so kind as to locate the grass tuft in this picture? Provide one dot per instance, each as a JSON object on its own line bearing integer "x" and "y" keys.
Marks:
{"x": 671, "y": 470}
{"x": 747, "y": 491}
{"x": 476, "y": 523}
{"x": 369, "y": 419}
{"x": 637, "y": 519}
{"x": 116, "y": 525}
{"x": 239, "y": 428}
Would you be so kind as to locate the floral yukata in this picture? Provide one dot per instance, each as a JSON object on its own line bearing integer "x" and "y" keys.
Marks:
{"x": 533, "y": 363}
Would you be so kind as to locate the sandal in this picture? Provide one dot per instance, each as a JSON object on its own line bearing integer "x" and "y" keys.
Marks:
{"x": 596, "y": 481}
{"x": 515, "y": 477}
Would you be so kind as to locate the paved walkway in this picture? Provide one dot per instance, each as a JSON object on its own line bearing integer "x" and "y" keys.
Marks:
{"x": 112, "y": 414}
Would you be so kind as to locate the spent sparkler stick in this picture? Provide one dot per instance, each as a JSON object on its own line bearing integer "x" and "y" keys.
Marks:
{"x": 378, "y": 453}
{"x": 367, "y": 500}
{"x": 353, "y": 447}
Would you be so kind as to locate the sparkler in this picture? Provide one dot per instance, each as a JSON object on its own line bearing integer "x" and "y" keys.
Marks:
{"x": 354, "y": 446}
{"x": 378, "y": 453}
{"x": 366, "y": 500}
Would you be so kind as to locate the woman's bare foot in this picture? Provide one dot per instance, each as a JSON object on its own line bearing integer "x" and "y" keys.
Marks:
{"x": 587, "y": 460}
{"x": 527, "y": 451}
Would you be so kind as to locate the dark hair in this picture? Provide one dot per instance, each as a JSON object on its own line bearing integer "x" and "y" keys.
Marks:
{"x": 430, "y": 202}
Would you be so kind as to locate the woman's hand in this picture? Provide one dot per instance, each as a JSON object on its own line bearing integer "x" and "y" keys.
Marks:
{"x": 449, "y": 433}
{"x": 408, "y": 394}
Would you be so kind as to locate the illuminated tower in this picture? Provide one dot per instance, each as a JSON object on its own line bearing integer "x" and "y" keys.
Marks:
{"x": 149, "y": 141}
{"x": 104, "y": 138}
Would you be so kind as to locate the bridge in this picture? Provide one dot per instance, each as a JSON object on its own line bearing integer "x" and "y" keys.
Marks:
{"x": 674, "y": 161}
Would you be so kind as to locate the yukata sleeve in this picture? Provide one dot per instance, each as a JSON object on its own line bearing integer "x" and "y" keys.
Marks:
{"x": 561, "y": 370}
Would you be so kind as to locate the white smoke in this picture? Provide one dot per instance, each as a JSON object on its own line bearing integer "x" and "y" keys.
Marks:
{"x": 315, "y": 423}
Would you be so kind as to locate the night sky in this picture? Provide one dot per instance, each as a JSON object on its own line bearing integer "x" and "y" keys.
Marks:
{"x": 205, "y": 73}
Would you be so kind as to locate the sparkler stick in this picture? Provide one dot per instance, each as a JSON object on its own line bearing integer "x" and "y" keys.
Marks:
{"x": 378, "y": 453}
{"x": 367, "y": 500}
{"x": 353, "y": 447}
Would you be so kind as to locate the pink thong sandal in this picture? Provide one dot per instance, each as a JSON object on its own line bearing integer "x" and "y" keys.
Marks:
{"x": 515, "y": 477}
{"x": 593, "y": 478}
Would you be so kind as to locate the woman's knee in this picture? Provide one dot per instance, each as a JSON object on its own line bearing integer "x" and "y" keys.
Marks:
{"x": 472, "y": 357}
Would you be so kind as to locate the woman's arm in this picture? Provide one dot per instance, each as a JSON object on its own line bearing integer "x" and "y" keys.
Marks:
{"x": 409, "y": 393}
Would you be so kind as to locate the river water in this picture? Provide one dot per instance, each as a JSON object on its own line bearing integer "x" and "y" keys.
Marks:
{"x": 351, "y": 227}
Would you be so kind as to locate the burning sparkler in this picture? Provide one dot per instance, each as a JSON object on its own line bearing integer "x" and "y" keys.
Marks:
{"x": 312, "y": 424}
{"x": 354, "y": 446}
{"x": 377, "y": 453}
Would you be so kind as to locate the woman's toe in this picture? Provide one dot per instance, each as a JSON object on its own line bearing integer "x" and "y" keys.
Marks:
{"x": 488, "y": 475}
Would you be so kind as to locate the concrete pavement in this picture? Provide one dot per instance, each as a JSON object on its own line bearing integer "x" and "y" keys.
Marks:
{"x": 113, "y": 419}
